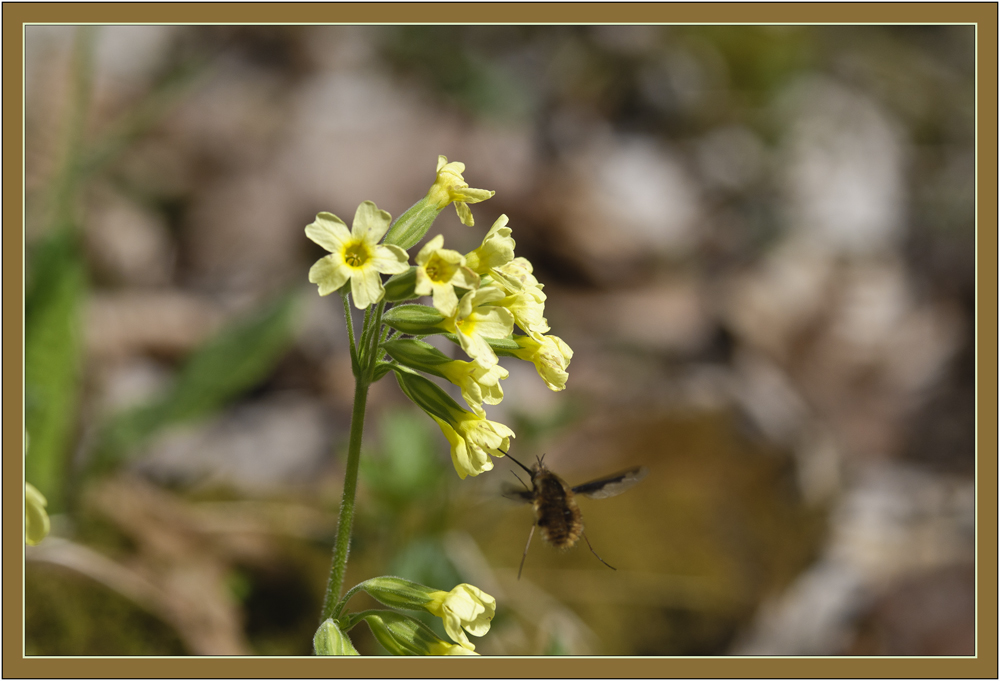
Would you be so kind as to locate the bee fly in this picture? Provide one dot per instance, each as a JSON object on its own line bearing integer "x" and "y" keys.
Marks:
{"x": 556, "y": 511}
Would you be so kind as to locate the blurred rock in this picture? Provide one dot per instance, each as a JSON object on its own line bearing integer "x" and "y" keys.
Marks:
{"x": 627, "y": 199}
{"x": 893, "y": 522}
{"x": 667, "y": 317}
{"x": 853, "y": 336}
{"x": 159, "y": 322}
{"x": 127, "y": 57}
{"x": 773, "y": 304}
{"x": 844, "y": 168}
{"x": 243, "y": 236}
{"x": 234, "y": 119}
{"x": 352, "y": 132}
{"x": 257, "y": 447}
{"x": 127, "y": 382}
{"x": 128, "y": 244}
{"x": 731, "y": 157}
{"x": 929, "y": 613}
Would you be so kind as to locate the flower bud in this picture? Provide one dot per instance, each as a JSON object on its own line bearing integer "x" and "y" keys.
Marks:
{"x": 330, "y": 640}
{"x": 403, "y": 635}
{"x": 412, "y": 225}
{"x": 401, "y": 286}
{"x": 428, "y": 396}
{"x": 449, "y": 187}
{"x": 417, "y": 320}
{"x": 417, "y": 354}
{"x": 397, "y": 592}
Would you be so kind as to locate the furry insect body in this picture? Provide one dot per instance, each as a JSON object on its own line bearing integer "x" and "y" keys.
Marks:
{"x": 556, "y": 512}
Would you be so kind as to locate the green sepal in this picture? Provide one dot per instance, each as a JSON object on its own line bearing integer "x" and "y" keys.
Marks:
{"x": 401, "y": 286}
{"x": 330, "y": 640}
{"x": 397, "y": 592}
{"x": 427, "y": 395}
{"x": 403, "y": 635}
{"x": 503, "y": 347}
{"x": 417, "y": 320}
{"x": 417, "y": 355}
{"x": 381, "y": 369}
{"x": 411, "y": 226}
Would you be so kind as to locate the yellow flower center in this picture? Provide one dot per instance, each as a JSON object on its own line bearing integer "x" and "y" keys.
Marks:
{"x": 356, "y": 255}
{"x": 439, "y": 270}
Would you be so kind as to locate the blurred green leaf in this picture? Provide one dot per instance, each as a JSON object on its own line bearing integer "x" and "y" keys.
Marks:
{"x": 52, "y": 349}
{"x": 235, "y": 360}
{"x": 407, "y": 468}
{"x": 425, "y": 561}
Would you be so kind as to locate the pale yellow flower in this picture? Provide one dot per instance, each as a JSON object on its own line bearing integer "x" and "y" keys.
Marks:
{"x": 478, "y": 318}
{"x": 528, "y": 311}
{"x": 496, "y": 250}
{"x": 445, "y": 648}
{"x": 355, "y": 255}
{"x": 473, "y": 439}
{"x": 451, "y": 187}
{"x": 551, "y": 357}
{"x": 478, "y": 384}
{"x": 464, "y": 608}
{"x": 517, "y": 275}
{"x": 439, "y": 271}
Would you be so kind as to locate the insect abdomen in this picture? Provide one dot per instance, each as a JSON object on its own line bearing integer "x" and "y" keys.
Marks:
{"x": 556, "y": 512}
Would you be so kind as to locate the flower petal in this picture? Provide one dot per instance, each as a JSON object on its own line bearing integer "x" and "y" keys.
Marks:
{"x": 366, "y": 287}
{"x": 464, "y": 214}
{"x": 330, "y": 273}
{"x": 459, "y": 452}
{"x": 445, "y": 299}
{"x": 390, "y": 259}
{"x": 470, "y": 195}
{"x": 328, "y": 231}
{"x": 429, "y": 247}
{"x": 370, "y": 223}
{"x": 477, "y": 349}
{"x": 493, "y": 322}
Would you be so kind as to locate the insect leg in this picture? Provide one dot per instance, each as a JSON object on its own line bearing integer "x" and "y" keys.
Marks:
{"x": 520, "y": 481}
{"x": 593, "y": 552}
{"x": 530, "y": 535}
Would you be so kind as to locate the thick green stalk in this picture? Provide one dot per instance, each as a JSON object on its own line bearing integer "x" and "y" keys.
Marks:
{"x": 342, "y": 544}
{"x": 360, "y": 359}
{"x": 366, "y": 353}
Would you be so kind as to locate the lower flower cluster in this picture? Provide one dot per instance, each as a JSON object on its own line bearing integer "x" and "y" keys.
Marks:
{"x": 463, "y": 610}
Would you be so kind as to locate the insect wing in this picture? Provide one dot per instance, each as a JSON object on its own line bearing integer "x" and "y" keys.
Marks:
{"x": 515, "y": 493}
{"x": 612, "y": 485}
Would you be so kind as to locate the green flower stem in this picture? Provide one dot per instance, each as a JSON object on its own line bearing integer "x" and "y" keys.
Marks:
{"x": 364, "y": 358}
{"x": 374, "y": 353}
{"x": 342, "y": 545}
{"x": 343, "y": 601}
{"x": 355, "y": 367}
{"x": 366, "y": 341}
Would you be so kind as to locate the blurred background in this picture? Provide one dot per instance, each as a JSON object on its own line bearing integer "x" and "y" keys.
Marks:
{"x": 758, "y": 240}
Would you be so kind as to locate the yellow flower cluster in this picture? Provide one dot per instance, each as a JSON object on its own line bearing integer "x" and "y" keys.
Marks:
{"x": 478, "y": 299}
